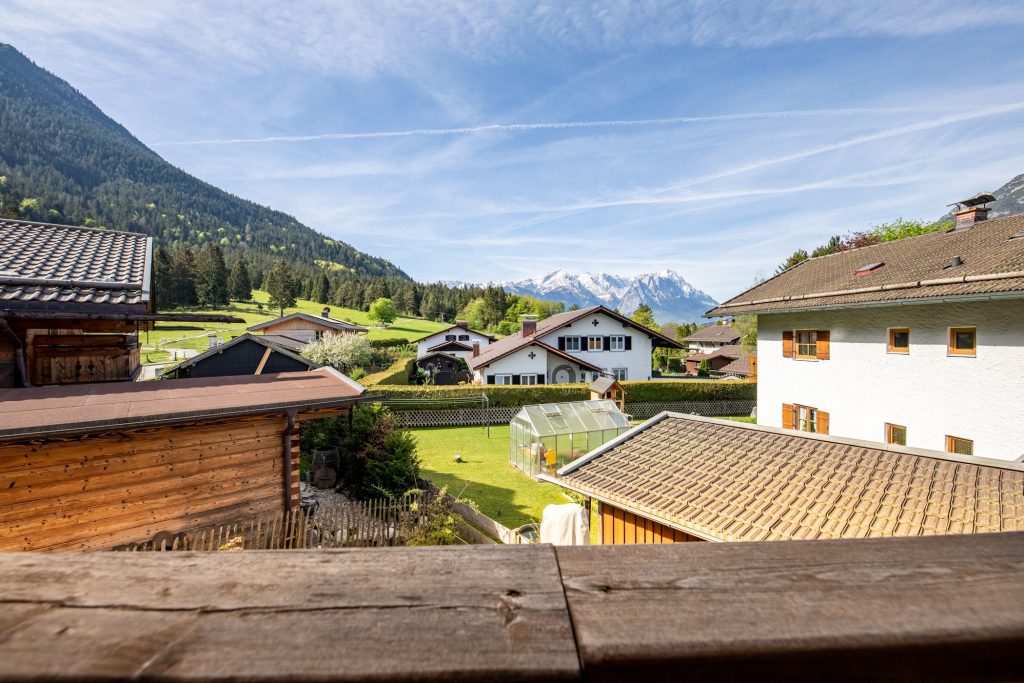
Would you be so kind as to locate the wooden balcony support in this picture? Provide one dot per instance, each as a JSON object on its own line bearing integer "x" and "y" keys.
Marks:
{"x": 936, "y": 608}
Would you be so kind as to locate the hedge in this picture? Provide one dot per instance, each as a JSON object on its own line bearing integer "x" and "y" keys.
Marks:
{"x": 397, "y": 374}
{"x": 389, "y": 342}
{"x": 636, "y": 392}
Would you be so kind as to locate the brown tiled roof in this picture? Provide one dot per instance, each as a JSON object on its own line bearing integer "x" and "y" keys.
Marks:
{"x": 729, "y": 351}
{"x": 72, "y": 409}
{"x": 714, "y": 333}
{"x": 739, "y": 367}
{"x": 451, "y": 346}
{"x": 45, "y": 263}
{"x": 915, "y": 268}
{"x": 730, "y": 481}
{"x": 449, "y": 329}
{"x": 514, "y": 342}
{"x": 331, "y": 323}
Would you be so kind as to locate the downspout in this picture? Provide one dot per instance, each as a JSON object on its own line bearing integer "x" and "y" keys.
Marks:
{"x": 19, "y": 353}
{"x": 286, "y": 452}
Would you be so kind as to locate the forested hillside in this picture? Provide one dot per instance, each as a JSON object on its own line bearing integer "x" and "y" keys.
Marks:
{"x": 62, "y": 160}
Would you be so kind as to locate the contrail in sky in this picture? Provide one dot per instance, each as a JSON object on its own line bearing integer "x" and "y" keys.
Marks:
{"x": 558, "y": 125}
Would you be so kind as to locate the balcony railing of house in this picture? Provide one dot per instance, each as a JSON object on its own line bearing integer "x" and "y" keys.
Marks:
{"x": 923, "y": 609}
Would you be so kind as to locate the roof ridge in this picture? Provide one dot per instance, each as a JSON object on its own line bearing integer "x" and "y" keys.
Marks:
{"x": 84, "y": 228}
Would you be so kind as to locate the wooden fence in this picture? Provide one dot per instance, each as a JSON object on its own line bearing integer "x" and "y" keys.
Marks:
{"x": 371, "y": 523}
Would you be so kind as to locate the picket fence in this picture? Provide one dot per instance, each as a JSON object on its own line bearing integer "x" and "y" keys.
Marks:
{"x": 371, "y": 523}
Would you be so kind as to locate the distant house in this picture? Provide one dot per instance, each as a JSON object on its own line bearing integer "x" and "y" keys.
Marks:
{"x": 457, "y": 340}
{"x": 306, "y": 328}
{"x": 94, "y": 466}
{"x": 709, "y": 339}
{"x": 574, "y": 346}
{"x": 246, "y": 354}
{"x": 717, "y": 359}
{"x": 443, "y": 368}
{"x": 740, "y": 368}
{"x": 916, "y": 342}
{"x": 72, "y": 302}
{"x": 682, "y": 478}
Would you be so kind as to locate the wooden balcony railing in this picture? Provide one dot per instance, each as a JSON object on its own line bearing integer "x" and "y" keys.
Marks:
{"x": 924, "y": 609}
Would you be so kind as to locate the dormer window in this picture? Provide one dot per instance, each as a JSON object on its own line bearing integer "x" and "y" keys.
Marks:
{"x": 869, "y": 268}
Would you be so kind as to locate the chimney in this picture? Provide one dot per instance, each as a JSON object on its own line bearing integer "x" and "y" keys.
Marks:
{"x": 326, "y": 313}
{"x": 462, "y": 323}
{"x": 476, "y": 349}
{"x": 529, "y": 325}
{"x": 973, "y": 210}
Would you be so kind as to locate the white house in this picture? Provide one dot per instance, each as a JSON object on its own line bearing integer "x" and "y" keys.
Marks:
{"x": 917, "y": 342}
{"x": 575, "y": 346}
{"x": 711, "y": 338}
{"x": 457, "y": 341}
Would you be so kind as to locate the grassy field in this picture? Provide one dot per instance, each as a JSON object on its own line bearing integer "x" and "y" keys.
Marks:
{"x": 503, "y": 493}
{"x": 193, "y": 336}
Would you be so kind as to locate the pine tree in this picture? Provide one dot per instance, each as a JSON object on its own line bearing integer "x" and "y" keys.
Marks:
{"x": 183, "y": 276}
{"x": 321, "y": 291}
{"x": 239, "y": 283}
{"x": 281, "y": 287}
{"x": 211, "y": 277}
{"x": 645, "y": 316}
{"x": 163, "y": 279}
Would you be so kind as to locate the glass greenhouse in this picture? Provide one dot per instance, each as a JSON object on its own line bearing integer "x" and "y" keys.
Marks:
{"x": 546, "y": 437}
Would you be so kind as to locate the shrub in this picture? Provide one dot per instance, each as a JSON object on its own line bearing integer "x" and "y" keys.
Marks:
{"x": 389, "y": 342}
{"x": 346, "y": 352}
{"x": 636, "y": 392}
{"x": 377, "y": 457}
{"x": 441, "y": 525}
{"x": 397, "y": 374}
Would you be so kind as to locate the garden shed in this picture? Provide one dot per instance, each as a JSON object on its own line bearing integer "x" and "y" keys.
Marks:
{"x": 545, "y": 437}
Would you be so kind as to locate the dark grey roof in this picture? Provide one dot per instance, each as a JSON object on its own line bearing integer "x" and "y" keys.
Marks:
{"x": 339, "y": 325}
{"x": 271, "y": 341}
{"x": 283, "y": 341}
{"x": 602, "y": 384}
{"x": 913, "y": 269}
{"x": 46, "y": 263}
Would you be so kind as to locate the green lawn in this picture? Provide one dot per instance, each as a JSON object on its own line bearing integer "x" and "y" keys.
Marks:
{"x": 193, "y": 335}
{"x": 503, "y": 493}
{"x": 155, "y": 356}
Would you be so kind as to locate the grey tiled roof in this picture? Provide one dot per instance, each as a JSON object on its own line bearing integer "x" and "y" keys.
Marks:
{"x": 736, "y": 482}
{"x": 714, "y": 333}
{"x": 914, "y": 268}
{"x": 45, "y": 263}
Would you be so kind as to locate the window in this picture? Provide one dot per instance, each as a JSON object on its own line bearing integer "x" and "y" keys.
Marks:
{"x": 962, "y": 342}
{"x": 895, "y": 434}
{"x": 528, "y": 379}
{"x": 463, "y": 337}
{"x": 955, "y": 444}
{"x": 449, "y": 337}
{"x": 806, "y": 344}
{"x": 595, "y": 343}
{"x": 503, "y": 379}
{"x": 318, "y": 335}
{"x": 621, "y": 374}
{"x": 572, "y": 343}
{"x": 899, "y": 340}
{"x": 617, "y": 343}
{"x": 804, "y": 418}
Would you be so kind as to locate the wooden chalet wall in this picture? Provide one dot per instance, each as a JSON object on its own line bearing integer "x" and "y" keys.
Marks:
{"x": 99, "y": 492}
{"x": 302, "y": 330}
{"x": 74, "y": 351}
{"x": 8, "y": 365}
{"x": 619, "y": 527}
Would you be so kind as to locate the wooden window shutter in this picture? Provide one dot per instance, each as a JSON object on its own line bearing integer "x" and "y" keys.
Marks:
{"x": 823, "y": 350}
{"x": 561, "y": 343}
{"x": 540, "y": 379}
{"x": 606, "y": 344}
{"x": 787, "y": 413}
{"x": 515, "y": 379}
{"x": 629, "y": 343}
{"x": 822, "y": 425}
{"x": 787, "y": 343}
{"x": 490, "y": 379}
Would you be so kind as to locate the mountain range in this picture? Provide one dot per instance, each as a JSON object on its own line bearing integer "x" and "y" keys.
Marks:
{"x": 1009, "y": 200}
{"x": 670, "y": 296}
{"x": 62, "y": 160}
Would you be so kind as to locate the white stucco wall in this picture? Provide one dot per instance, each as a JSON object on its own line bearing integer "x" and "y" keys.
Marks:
{"x": 519, "y": 363}
{"x": 862, "y": 386}
{"x": 637, "y": 360}
{"x": 433, "y": 340}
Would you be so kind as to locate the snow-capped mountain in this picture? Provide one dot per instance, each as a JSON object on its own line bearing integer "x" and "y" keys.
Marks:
{"x": 671, "y": 297}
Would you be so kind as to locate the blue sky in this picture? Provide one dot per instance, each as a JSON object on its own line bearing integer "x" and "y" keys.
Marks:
{"x": 501, "y": 140}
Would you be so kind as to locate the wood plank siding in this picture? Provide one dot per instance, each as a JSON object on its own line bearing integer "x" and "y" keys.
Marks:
{"x": 619, "y": 527}
{"x": 98, "y": 492}
{"x": 927, "y": 609}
